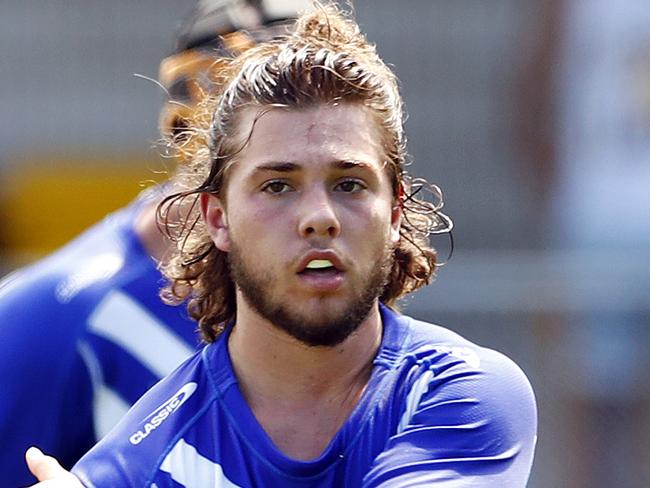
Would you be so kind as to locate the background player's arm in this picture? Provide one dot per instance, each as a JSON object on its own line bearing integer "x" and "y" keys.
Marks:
{"x": 46, "y": 395}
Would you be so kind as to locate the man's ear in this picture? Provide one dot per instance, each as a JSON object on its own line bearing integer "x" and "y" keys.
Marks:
{"x": 395, "y": 222}
{"x": 216, "y": 221}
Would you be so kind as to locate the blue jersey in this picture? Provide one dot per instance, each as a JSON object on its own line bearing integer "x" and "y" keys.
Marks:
{"x": 83, "y": 334}
{"x": 438, "y": 411}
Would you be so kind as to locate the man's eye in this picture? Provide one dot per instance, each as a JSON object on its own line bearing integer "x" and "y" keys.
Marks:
{"x": 276, "y": 187}
{"x": 350, "y": 186}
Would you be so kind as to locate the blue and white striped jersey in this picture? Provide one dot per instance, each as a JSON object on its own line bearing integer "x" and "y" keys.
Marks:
{"x": 438, "y": 411}
{"x": 83, "y": 334}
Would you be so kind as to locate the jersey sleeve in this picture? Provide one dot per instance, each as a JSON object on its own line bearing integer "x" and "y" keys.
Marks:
{"x": 466, "y": 422}
{"x": 46, "y": 391}
{"x": 130, "y": 455}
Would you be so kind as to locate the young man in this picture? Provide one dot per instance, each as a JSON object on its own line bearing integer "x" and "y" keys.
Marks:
{"x": 310, "y": 232}
{"x": 104, "y": 335}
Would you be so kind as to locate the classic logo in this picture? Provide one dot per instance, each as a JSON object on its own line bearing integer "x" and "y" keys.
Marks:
{"x": 158, "y": 416}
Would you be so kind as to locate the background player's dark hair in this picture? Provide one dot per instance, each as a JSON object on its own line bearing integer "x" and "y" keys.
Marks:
{"x": 325, "y": 60}
{"x": 215, "y": 30}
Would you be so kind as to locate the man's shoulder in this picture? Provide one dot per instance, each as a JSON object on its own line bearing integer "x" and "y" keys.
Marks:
{"x": 51, "y": 290}
{"x": 96, "y": 253}
{"x": 434, "y": 344}
{"x": 442, "y": 365}
{"x": 482, "y": 397}
{"x": 131, "y": 453}
{"x": 77, "y": 275}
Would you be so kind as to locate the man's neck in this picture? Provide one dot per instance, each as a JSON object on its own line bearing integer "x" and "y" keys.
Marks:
{"x": 301, "y": 395}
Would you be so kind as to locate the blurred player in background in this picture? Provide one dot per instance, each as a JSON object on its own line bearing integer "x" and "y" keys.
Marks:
{"x": 83, "y": 332}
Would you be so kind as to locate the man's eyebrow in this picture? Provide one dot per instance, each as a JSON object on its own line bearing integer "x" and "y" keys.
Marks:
{"x": 287, "y": 167}
{"x": 281, "y": 167}
{"x": 351, "y": 164}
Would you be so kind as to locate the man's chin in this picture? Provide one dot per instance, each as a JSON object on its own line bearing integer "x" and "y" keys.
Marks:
{"x": 326, "y": 327}
{"x": 318, "y": 335}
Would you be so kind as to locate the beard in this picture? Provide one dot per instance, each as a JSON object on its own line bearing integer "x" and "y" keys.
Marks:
{"x": 315, "y": 329}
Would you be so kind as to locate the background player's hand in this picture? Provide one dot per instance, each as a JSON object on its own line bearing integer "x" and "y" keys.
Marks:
{"x": 48, "y": 471}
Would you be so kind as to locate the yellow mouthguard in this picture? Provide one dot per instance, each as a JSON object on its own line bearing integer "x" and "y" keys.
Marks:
{"x": 319, "y": 264}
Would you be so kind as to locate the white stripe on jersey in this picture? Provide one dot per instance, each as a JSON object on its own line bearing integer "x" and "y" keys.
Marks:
{"x": 121, "y": 320}
{"x": 108, "y": 406}
{"x": 189, "y": 468}
{"x": 109, "y": 410}
{"x": 421, "y": 385}
{"x": 418, "y": 389}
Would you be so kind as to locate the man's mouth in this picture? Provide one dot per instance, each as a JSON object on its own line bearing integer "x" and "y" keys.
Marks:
{"x": 321, "y": 271}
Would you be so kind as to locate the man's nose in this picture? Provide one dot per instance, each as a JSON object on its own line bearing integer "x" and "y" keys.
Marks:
{"x": 317, "y": 215}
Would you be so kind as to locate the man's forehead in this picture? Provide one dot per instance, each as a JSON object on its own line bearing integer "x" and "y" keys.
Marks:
{"x": 310, "y": 117}
{"x": 347, "y": 130}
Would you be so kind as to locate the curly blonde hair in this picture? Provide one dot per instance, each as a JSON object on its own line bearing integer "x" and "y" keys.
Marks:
{"x": 325, "y": 60}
